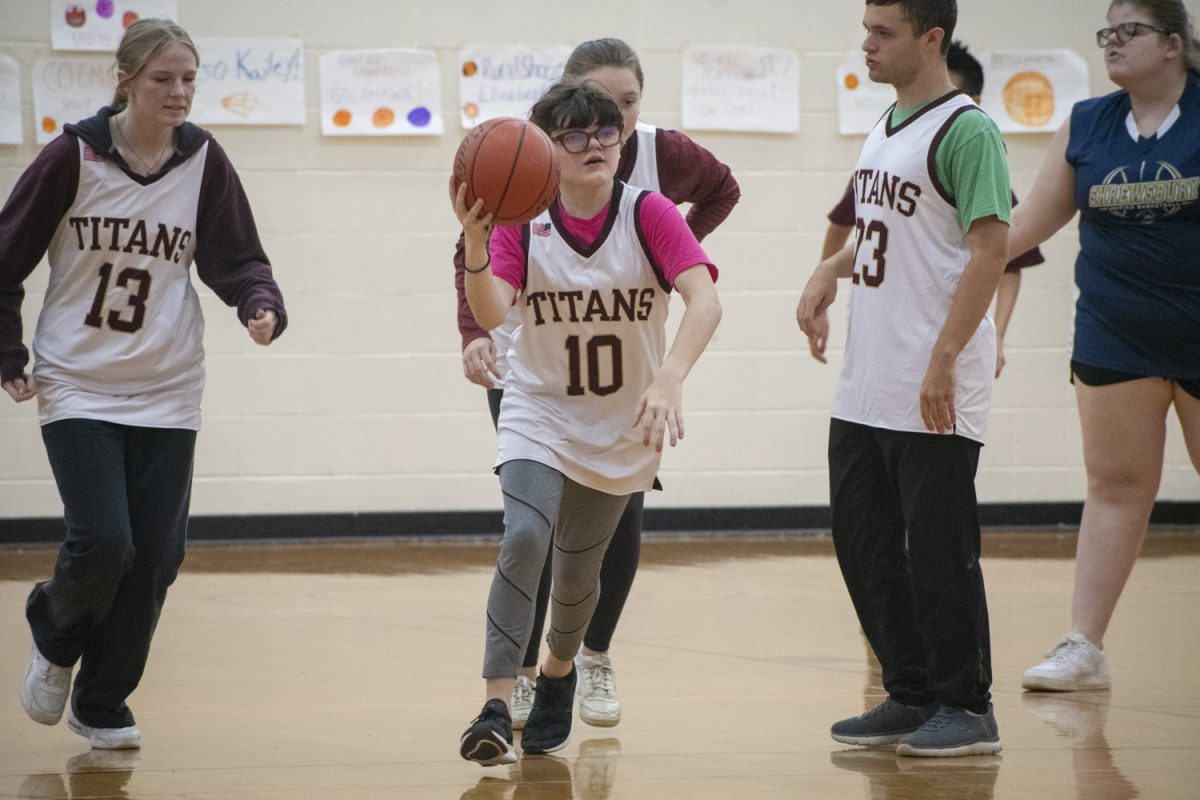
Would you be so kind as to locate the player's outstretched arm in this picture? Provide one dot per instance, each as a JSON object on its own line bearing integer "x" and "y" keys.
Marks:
{"x": 488, "y": 296}
{"x": 1051, "y": 204}
{"x": 661, "y": 411}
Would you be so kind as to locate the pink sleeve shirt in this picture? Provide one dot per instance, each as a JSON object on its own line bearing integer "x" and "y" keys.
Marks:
{"x": 672, "y": 244}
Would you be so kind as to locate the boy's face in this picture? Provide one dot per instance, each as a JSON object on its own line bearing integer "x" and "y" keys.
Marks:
{"x": 894, "y": 53}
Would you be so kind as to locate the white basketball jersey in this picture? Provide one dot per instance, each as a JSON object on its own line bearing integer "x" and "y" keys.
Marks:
{"x": 645, "y": 167}
{"x": 120, "y": 334}
{"x": 644, "y": 175}
{"x": 909, "y": 257}
{"x": 592, "y": 337}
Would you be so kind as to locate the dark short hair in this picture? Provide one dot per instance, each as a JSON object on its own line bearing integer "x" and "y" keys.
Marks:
{"x": 567, "y": 105}
{"x": 925, "y": 15}
{"x": 967, "y": 66}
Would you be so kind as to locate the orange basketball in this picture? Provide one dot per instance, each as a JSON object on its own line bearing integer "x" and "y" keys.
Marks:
{"x": 510, "y": 164}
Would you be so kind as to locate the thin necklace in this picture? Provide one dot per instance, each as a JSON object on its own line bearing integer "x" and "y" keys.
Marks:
{"x": 145, "y": 166}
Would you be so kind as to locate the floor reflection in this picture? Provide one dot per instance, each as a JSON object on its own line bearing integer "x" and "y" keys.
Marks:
{"x": 890, "y": 777}
{"x": 96, "y": 773}
{"x": 1081, "y": 717}
{"x": 590, "y": 777}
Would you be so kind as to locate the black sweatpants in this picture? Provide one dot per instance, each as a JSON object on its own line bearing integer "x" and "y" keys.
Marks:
{"x": 125, "y": 493}
{"x": 906, "y": 532}
{"x": 616, "y": 573}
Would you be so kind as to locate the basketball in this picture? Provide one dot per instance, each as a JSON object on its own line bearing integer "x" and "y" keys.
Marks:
{"x": 510, "y": 164}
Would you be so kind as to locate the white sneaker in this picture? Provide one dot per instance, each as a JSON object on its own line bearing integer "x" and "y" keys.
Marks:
{"x": 522, "y": 702}
{"x": 44, "y": 690}
{"x": 597, "y": 690}
{"x": 1071, "y": 665}
{"x": 107, "y": 738}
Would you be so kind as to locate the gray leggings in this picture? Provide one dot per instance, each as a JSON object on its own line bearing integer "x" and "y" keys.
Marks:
{"x": 542, "y": 505}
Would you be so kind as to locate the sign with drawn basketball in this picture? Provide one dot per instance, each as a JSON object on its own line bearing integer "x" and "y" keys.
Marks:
{"x": 736, "y": 88}
{"x": 11, "y": 130}
{"x": 1032, "y": 91}
{"x": 861, "y": 101}
{"x": 68, "y": 89}
{"x": 505, "y": 80}
{"x": 100, "y": 24}
{"x": 249, "y": 82}
{"x": 381, "y": 93}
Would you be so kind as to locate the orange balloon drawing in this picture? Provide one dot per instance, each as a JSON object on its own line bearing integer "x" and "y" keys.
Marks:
{"x": 383, "y": 117}
{"x": 470, "y": 68}
{"x": 851, "y": 81}
{"x": 49, "y": 124}
{"x": 471, "y": 110}
{"x": 341, "y": 118}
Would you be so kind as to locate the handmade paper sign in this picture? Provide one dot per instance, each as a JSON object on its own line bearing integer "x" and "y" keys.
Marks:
{"x": 733, "y": 88}
{"x": 100, "y": 24}
{"x": 68, "y": 89}
{"x": 861, "y": 101}
{"x": 11, "y": 131}
{"x": 249, "y": 82}
{"x": 380, "y": 93}
{"x": 497, "y": 80}
{"x": 1032, "y": 91}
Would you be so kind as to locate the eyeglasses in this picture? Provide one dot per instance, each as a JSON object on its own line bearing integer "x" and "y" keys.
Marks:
{"x": 1123, "y": 33}
{"x": 578, "y": 141}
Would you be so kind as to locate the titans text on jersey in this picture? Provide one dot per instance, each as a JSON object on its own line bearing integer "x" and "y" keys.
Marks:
{"x": 632, "y": 305}
{"x": 123, "y": 235}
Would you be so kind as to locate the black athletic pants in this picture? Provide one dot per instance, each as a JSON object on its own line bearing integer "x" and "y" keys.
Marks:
{"x": 906, "y": 532}
{"x": 125, "y": 493}
{"x": 616, "y": 573}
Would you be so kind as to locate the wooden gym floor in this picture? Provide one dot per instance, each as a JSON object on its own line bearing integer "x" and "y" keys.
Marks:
{"x": 349, "y": 670}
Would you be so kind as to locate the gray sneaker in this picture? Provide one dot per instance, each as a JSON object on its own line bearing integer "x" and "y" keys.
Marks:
{"x": 886, "y": 723}
{"x": 953, "y": 732}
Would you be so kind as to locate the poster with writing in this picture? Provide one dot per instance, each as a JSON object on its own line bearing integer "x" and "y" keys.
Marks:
{"x": 68, "y": 89}
{"x": 1032, "y": 91}
{"x": 498, "y": 80}
{"x": 861, "y": 101}
{"x": 734, "y": 88}
{"x": 11, "y": 131}
{"x": 381, "y": 93}
{"x": 100, "y": 24}
{"x": 249, "y": 82}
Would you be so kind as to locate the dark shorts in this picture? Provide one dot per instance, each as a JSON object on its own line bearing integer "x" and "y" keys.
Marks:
{"x": 1099, "y": 376}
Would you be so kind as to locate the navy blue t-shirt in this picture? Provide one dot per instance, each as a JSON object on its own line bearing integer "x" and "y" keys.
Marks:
{"x": 1138, "y": 269}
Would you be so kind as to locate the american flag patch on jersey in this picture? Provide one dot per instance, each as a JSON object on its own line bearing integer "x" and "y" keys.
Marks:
{"x": 91, "y": 155}
{"x": 541, "y": 228}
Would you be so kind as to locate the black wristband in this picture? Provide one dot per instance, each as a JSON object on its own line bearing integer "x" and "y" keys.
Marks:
{"x": 486, "y": 264}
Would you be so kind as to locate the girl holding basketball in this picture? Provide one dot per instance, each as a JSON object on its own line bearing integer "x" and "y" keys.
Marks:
{"x": 590, "y": 398}
{"x": 121, "y": 203}
{"x": 668, "y": 162}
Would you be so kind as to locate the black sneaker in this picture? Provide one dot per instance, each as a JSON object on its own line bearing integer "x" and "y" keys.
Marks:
{"x": 489, "y": 740}
{"x": 886, "y": 723}
{"x": 549, "y": 725}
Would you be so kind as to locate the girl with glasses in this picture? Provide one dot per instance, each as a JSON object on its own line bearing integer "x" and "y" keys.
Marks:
{"x": 591, "y": 396}
{"x": 1129, "y": 163}
{"x": 668, "y": 162}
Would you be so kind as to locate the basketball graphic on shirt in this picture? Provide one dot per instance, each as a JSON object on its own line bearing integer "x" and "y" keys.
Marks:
{"x": 1029, "y": 99}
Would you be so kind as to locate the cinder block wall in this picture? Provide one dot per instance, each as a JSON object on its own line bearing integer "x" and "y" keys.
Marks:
{"x": 362, "y": 405}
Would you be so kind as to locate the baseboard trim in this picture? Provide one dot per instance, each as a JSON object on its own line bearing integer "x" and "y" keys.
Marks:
{"x": 261, "y": 527}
